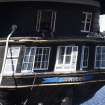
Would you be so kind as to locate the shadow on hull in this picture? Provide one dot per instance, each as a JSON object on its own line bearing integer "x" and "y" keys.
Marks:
{"x": 56, "y": 95}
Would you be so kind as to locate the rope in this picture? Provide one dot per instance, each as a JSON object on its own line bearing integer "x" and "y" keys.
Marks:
{"x": 29, "y": 96}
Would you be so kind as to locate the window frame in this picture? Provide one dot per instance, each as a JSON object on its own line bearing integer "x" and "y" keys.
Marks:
{"x": 83, "y": 58}
{"x": 85, "y": 21}
{"x": 71, "y": 61}
{"x": 13, "y": 59}
{"x": 27, "y": 70}
{"x": 100, "y": 66}
{"x": 39, "y": 16}
{"x": 33, "y": 62}
{"x": 42, "y": 60}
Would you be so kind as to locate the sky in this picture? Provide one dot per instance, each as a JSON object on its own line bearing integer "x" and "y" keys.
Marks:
{"x": 102, "y": 23}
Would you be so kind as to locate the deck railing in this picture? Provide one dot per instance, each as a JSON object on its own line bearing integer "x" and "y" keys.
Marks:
{"x": 52, "y": 79}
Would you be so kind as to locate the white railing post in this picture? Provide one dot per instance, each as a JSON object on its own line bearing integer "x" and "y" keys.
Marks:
{"x": 14, "y": 27}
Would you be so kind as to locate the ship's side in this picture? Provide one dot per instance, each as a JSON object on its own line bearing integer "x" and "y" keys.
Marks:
{"x": 56, "y": 53}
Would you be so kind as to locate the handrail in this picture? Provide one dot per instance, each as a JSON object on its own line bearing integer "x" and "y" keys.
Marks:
{"x": 14, "y": 27}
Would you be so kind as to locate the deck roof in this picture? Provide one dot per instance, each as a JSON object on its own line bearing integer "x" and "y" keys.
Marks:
{"x": 93, "y": 2}
{"x": 86, "y": 2}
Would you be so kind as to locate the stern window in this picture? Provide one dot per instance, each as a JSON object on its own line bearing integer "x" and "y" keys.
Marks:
{"x": 86, "y": 21}
{"x": 66, "y": 59}
{"x": 36, "y": 58}
{"x": 11, "y": 60}
{"x": 84, "y": 57}
{"x": 100, "y": 57}
{"x": 45, "y": 21}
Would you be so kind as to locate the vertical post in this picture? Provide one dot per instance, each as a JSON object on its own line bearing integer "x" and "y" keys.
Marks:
{"x": 14, "y": 27}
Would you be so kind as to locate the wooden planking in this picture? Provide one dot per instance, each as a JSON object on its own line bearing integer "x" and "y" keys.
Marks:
{"x": 44, "y": 85}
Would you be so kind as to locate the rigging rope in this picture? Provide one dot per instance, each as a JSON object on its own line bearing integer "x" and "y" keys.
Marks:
{"x": 31, "y": 89}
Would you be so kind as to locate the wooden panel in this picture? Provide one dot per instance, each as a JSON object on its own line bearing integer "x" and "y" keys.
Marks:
{"x": 48, "y": 79}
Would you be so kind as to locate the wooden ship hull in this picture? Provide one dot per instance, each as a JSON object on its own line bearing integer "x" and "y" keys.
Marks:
{"x": 55, "y": 57}
{"x": 52, "y": 88}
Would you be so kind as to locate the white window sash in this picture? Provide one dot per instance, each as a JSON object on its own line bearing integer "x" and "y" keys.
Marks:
{"x": 74, "y": 55}
{"x": 82, "y": 58}
{"x": 11, "y": 61}
{"x": 38, "y": 20}
{"x": 71, "y": 67}
{"x": 85, "y": 22}
{"x": 26, "y": 70}
{"x": 10, "y": 66}
{"x": 95, "y": 66}
{"x": 41, "y": 61}
{"x": 39, "y": 17}
{"x": 53, "y": 23}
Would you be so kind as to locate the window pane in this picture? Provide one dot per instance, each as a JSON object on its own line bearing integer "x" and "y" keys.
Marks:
{"x": 46, "y": 51}
{"x": 103, "y": 64}
{"x": 37, "y": 58}
{"x": 31, "y": 58}
{"x": 89, "y": 16}
{"x": 84, "y": 57}
{"x": 60, "y": 59}
{"x": 39, "y": 51}
{"x": 82, "y": 26}
{"x": 97, "y": 63}
{"x": 27, "y": 51}
{"x": 98, "y": 57}
{"x": 67, "y": 59}
{"x": 61, "y": 55}
{"x": 10, "y": 66}
{"x": 86, "y": 53}
{"x": 75, "y": 49}
{"x": 24, "y": 66}
{"x": 32, "y": 51}
{"x": 29, "y": 66}
{"x": 61, "y": 52}
{"x": 85, "y": 63}
{"x": 103, "y": 57}
{"x": 87, "y": 27}
{"x": 46, "y": 16}
{"x": 103, "y": 50}
{"x": 68, "y": 51}
{"x": 46, "y": 20}
{"x": 98, "y": 50}
{"x": 26, "y": 59}
{"x": 37, "y": 65}
{"x": 44, "y": 64}
{"x": 83, "y": 16}
{"x": 13, "y": 52}
{"x": 45, "y": 58}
